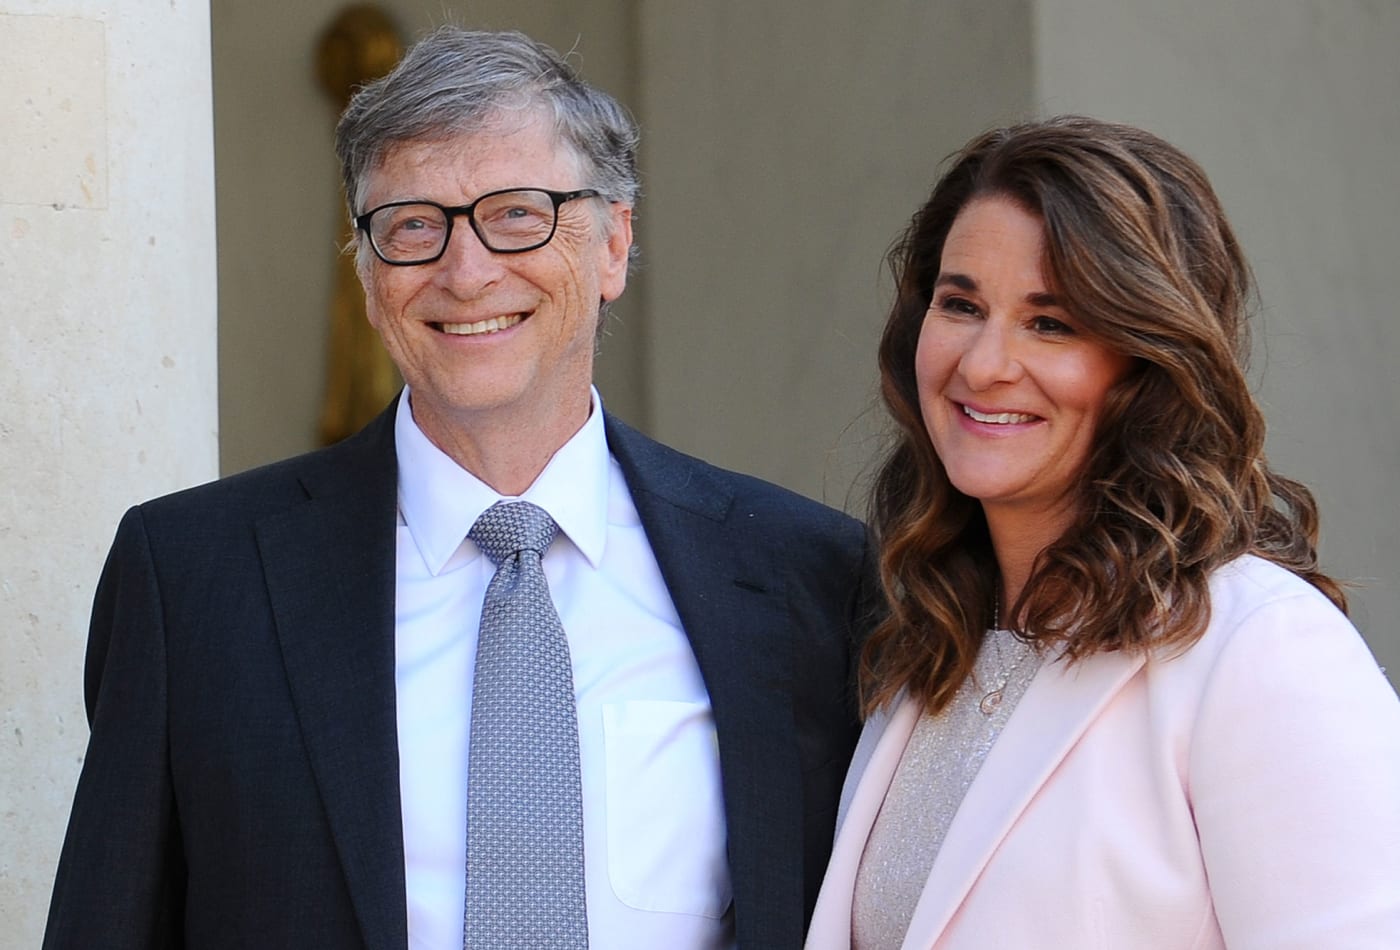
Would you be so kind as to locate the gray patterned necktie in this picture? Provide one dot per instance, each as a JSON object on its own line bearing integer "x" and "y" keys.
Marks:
{"x": 525, "y": 886}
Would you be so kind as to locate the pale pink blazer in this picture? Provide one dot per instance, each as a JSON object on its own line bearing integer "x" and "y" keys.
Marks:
{"x": 1244, "y": 794}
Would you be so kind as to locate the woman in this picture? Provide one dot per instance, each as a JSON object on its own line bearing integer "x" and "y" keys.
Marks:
{"x": 1183, "y": 743}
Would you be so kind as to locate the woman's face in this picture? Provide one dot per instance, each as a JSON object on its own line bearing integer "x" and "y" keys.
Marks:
{"x": 1010, "y": 386}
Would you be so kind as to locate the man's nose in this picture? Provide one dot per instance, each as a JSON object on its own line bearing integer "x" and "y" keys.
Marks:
{"x": 467, "y": 265}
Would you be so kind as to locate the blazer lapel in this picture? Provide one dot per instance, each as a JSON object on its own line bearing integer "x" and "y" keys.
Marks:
{"x": 872, "y": 770}
{"x": 730, "y": 598}
{"x": 329, "y": 566}
{"x": 1060, "y": 704}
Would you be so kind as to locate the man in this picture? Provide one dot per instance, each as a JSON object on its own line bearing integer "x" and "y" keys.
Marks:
{"x": 292, "y": 745}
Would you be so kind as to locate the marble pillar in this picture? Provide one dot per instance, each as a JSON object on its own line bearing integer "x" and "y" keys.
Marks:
{"x": 107, "y": 359}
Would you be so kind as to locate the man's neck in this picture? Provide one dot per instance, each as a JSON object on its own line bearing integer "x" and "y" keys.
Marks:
{"x": 505, "y": 452}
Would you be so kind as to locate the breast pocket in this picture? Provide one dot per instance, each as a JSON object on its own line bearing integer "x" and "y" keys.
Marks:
{"x": 665, "y": 809}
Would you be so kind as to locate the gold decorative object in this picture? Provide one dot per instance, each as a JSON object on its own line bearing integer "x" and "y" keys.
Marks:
{"x": 359, "y": 45}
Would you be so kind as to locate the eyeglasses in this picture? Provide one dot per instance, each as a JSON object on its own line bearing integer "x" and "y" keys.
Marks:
{"x": 511, "y": 221}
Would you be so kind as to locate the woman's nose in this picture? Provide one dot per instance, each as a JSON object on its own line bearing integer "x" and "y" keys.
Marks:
{"x": 990, "y": 357}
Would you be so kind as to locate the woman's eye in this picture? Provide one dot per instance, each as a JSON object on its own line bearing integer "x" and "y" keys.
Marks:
{"x": 959, "y": 306}
{"x": 1050, "y": 325}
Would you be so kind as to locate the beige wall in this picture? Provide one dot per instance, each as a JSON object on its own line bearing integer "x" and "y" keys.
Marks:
{"x": 785, "y": 145}
{"x": 107, "y": 361}
{"x": 1293, "y": 107}
{"x": 280, "y": 208}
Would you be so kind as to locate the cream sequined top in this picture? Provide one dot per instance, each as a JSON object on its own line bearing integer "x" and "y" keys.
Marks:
{"x": 938, "y": 765}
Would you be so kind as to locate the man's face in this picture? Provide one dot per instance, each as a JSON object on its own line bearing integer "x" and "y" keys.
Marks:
{"x": 487, "y": 339}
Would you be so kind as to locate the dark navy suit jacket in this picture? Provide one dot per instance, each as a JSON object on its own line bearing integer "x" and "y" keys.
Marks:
{"x": 241, "y": 783}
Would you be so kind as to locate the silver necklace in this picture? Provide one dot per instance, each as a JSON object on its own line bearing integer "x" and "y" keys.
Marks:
{"x": 992, "y": 699}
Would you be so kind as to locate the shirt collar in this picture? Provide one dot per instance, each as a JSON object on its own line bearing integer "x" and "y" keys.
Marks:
{"x": 439, "y": 501}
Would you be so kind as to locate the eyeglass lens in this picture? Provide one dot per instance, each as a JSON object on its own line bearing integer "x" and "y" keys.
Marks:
{"x": 509, "y": 221}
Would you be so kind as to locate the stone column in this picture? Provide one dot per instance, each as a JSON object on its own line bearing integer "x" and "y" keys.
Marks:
{"x": 107, "y": 359}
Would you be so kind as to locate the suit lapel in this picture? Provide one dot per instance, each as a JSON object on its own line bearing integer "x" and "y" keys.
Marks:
{"x": 329, "y": 566}
{"x": 729, "y": 594}
{"x": 1060, "y": 704}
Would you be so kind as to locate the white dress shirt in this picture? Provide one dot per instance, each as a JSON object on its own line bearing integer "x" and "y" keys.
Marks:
{"x": 654, "y": 830}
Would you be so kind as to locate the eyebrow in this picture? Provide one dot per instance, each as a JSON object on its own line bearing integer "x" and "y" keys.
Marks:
{"x": 963, "y": 282}
{"x": 960, "y": 281}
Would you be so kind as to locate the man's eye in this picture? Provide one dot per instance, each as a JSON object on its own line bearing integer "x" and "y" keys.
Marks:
{"x": 514, "y": 216}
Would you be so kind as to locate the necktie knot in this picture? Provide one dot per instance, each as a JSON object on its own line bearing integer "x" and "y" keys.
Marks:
{"x": 509, "y": 527}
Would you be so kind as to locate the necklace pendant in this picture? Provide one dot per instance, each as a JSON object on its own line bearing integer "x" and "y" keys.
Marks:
{"x": 991, "y": 702}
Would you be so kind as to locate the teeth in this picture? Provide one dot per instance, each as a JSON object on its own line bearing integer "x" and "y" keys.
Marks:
{"x": 997, "y": 418}
{"x": 482, "y": 326}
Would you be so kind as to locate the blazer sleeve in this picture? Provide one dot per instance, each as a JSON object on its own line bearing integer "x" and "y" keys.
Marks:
{"x": 1294, "y": 778}
{"x": 120, "y": 878}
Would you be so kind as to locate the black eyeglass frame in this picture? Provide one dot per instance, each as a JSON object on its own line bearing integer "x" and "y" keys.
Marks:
{"x": 452, "y": 212}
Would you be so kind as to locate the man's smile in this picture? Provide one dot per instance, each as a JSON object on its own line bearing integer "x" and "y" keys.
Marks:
{"x": 489, "y": 325}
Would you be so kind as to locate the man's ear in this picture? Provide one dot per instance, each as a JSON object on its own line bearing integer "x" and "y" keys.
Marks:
{"x": 615, "y": 252}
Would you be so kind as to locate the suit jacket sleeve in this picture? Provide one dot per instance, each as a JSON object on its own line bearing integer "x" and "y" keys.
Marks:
{"x": 120, "y": 878}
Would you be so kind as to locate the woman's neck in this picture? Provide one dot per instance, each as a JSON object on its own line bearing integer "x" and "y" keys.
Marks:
{"x": 1017, "y": 538}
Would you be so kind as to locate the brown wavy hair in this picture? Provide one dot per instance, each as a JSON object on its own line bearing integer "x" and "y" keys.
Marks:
{"x": 1176, "y": 484}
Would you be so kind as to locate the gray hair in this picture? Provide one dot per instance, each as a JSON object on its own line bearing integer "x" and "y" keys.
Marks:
{"x": 455, "y": 81}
